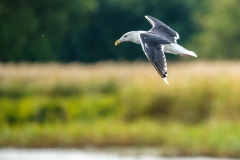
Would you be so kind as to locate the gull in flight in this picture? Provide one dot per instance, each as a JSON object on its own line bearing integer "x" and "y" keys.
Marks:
{"x": 159, "y": 39}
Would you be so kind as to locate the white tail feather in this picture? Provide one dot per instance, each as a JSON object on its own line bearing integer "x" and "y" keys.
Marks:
{"x": 177, "y": 49}
{"x": 189, "y": 53}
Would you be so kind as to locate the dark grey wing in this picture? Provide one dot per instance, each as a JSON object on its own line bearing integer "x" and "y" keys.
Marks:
{"x": 153, "y": 47}
{"x": 162, "y": 29}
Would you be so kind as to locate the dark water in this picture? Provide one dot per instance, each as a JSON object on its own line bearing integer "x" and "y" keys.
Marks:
{"x": 88, "y": 154}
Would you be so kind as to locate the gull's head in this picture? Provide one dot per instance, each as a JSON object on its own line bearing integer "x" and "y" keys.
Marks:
{"x": 126, "y": 37}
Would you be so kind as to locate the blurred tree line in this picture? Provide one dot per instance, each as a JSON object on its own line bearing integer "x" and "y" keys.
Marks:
{"x": 85, "y": 30}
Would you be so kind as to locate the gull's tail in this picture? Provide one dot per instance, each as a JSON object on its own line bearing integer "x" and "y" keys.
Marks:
{"x": 188, "y": 53}
{"x": 177, "y": 49}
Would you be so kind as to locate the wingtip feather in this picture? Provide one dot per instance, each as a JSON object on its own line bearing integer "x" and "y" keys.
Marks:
{"x": 147, "y": 17}
{"x": 165, "y": 80}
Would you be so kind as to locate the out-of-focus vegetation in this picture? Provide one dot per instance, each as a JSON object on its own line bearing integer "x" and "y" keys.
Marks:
{"x": 219, "y": 35}
{"x": 85, "y": 31}
{"x": 109, "y": 104}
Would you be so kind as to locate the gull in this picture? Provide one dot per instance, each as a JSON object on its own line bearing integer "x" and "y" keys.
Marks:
{"x": 159, "y": 39}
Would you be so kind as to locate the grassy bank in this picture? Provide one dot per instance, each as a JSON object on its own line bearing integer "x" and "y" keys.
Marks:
{"x": 219, "y": 139}
{"x": 110, "y": 104}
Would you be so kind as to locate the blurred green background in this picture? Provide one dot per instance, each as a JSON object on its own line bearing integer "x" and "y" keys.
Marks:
{"x": 63, "y": 83}
{"x": 85, "y": 31}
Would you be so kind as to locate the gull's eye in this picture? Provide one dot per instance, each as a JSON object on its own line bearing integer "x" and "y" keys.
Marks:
{"x": 125, "y": 36}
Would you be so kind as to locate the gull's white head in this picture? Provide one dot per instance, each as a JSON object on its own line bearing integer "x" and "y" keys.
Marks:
{"x": 132, "y": 36}
{"x": 126, "y": 37}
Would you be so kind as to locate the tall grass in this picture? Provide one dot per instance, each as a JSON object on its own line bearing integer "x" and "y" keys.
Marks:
{"x": 122, "y": 104}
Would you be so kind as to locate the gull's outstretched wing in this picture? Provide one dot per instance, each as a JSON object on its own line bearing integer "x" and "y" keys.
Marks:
{"x": 162, "y": 29}
{"x": 153, "y": 47}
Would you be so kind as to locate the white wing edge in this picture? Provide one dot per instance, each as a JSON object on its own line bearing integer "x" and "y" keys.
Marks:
{"x": 177, "y": 37}
{"x": 150, "y": 21}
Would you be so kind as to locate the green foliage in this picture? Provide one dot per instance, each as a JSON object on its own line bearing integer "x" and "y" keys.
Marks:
{"x": 35, "y": 31}
{"x": 86, "y": 30}
{"x": 218, "y": 37}
{"x": 80, "y": 105}
{"x": 217, "y": 139}
{"x": 82, "y": 30}
{"x": 24, "y": 99}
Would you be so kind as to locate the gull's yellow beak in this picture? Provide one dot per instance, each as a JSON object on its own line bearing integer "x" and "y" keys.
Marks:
{"x": 117, "y": 42}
